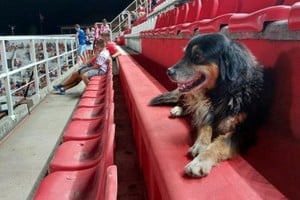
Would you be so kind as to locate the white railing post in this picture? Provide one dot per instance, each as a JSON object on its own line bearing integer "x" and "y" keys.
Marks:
{"x": 66, "y": 56}
{"x": 46, "y": 64}
{"x": 9, "y": 100}
{"x": 72, "y": 49}
{"x": 58, "y": 58}
{"x": 35, "y": 71}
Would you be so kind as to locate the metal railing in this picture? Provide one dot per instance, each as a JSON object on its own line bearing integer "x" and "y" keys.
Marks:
{"x": 30, "y": 63}
{"x": 123, "y": 20}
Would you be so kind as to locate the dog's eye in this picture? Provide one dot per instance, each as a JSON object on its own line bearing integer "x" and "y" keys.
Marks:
{"x": 197, "y": 57}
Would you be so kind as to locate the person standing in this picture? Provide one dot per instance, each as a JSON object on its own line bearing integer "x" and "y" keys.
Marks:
{"x": 89, "y": 39}
{"x": 97, "y": 35}
{"x": 81, "y": 39}
{"x": 104, "y": 28}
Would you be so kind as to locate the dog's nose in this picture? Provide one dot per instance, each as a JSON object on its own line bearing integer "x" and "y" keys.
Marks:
{"x": 170, "y": 72}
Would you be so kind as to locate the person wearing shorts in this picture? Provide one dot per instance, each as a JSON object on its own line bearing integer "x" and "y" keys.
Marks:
{"x": 98, "y": 65}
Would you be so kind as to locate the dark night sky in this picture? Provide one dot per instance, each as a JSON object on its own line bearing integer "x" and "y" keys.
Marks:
{"x": 24, "y": 14}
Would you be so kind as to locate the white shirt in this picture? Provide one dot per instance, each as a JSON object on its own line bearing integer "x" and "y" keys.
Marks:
{"x": 101, "y": 60}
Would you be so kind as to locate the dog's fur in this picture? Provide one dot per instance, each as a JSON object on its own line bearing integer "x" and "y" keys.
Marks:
{"x": 220, "y": 84}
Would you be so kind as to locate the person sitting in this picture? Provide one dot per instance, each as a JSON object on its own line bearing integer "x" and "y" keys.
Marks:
{"x": 96, "y": 66}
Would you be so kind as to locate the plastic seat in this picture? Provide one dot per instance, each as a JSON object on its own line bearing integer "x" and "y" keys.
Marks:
{"x": 226, "y": 9}
{"x": 254, "y": 22}
{"x": 91, "y": 102}
{"x": 111, "y": 186}
{"x": 87, "y": 113}
{"x": 88, "y": 129}
{"x": 77, "y": 155}
{"x": 84, "y": 129}
{"x": 94, "y": 94}
{"x": 81, "y": 184}
{"x": 294, "y": 19}
{"x": 206, "y": 9}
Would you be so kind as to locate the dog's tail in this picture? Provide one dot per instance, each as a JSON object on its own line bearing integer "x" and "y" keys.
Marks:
{"x": 168, "y": 98}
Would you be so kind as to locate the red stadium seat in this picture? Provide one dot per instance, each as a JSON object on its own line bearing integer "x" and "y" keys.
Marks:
{"x": 77, "y": 155}
{"x": 91, "y": 102}
{"x": 82, "y": 154}
{"x": 111, "y": 186}
{"x": 183, "y": 13}
{"x": 255, "y": 21}
{"x": 87, "y": 113}
{"x": 94, "y": 94}
{"x": 225, "y": 10}
{"x": 88, "y": 129}
{"x": 294, "y": 17}
{"x": 194, "y": 10}
{"x": 84, "y": 129}
{"x": 208, "y": 9}
{"x": 81, "y": 184}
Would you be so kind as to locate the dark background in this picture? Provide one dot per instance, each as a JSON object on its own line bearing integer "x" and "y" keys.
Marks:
{"x": 32, "y": 17}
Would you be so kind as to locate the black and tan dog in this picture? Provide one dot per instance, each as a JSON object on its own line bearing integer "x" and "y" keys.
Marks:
{"x": 220, "y": 84}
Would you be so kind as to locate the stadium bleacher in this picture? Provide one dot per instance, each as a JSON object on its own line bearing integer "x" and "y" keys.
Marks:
{"x": 270, "y": 29}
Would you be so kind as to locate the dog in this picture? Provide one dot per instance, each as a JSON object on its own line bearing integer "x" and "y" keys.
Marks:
{"x": 221, "y": 86}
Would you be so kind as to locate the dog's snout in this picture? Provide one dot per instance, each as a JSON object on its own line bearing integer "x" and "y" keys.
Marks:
{"x": 170, "y": 71}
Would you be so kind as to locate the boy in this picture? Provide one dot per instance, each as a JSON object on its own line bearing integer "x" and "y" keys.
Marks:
{"x": 98, "y": 65}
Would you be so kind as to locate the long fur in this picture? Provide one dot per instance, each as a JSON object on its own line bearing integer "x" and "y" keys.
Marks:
{"x": 231, "y": 103}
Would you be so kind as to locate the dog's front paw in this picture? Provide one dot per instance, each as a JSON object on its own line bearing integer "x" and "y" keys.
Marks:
{"x": 196, "y": 149}
{"x": 199, "y": 168}
{"x": 176, "y": 111}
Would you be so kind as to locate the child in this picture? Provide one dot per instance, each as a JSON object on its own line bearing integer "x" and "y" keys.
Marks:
{"x": 97, "y": 65}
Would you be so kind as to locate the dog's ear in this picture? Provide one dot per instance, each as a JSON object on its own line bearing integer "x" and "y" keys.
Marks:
{"x": 232, "y": 61}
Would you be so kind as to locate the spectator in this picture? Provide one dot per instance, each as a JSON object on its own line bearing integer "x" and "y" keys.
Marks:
{"x": 96, "y": 32}
{"x": 104, "y": 28}
{"x": 110, "y": 46}
{"x": 134, "y": 16}
{"x": 89, "y": 39}
{"x": 113, "y": 50}
{"x": 80, "y": 36}
{"x": 97, "y": 65}
{"x": 141, "y": 10}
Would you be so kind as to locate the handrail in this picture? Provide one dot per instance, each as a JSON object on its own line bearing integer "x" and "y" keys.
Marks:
{"x": 47, "y": 57}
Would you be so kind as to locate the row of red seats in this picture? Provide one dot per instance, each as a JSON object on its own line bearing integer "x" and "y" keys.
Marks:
{"x": 162, "y": 144}
{"x": 83, "y": 167}
{"x": 211, "y": 15}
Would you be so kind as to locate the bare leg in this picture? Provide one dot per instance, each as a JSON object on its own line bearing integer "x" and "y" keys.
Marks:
{"x": 73, "y": 78}
{"x": 85, "y": 79}
{"x": 220, "y": 149}
{"x": 74, "y": 83}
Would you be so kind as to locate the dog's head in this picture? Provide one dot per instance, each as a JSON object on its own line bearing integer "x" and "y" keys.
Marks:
{"x": 208, "y": 58}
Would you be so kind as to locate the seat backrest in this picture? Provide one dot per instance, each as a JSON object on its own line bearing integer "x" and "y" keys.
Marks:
{"x": 111, "y": 185}
{"x": 173, "y": 17}
{"x": 209, "y": 9}
{"x": 194, "y": 10}
{"x": 228, "y": 6}
{"x": 290, "y": 2}
{"x": 248, "y": 6}
{"x": 183, "y": 13}
{"x": 106, "y": 161}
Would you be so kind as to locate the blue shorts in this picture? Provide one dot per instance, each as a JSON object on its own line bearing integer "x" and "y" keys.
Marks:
{"x": 94, "y": 72}
{"x": 81, "y": 49}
